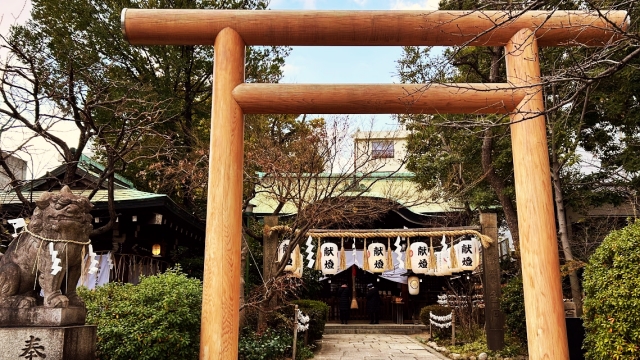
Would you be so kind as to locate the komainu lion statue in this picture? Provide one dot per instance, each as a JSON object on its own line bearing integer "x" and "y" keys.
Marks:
{"x": 61, "y": 219}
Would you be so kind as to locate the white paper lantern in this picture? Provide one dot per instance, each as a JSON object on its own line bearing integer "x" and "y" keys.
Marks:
{"x": 282, "y": 249}
{"x": 377, "y": 257}
{"x": 467, "y": 252}
{"x": 329, "y": 259}
{"x": 419, "y": 253}
{"x": 414, "y": 285}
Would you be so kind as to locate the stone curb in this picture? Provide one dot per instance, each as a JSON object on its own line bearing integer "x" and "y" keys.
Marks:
{"x": 431, "y": 350}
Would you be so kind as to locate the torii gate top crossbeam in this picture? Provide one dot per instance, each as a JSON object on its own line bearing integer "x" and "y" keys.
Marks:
{"x": 370, "y": 28}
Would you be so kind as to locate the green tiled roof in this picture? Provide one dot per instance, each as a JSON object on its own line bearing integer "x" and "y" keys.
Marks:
{"x": 100, "y": 196}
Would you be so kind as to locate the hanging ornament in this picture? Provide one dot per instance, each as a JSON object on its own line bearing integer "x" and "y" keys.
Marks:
{"x": 398, "y": 252}
{"x": 365, "y": 261}
{"x": 407, "y": 255}
{"x": 330, "y": 258}
{"x": 93, "y": 267}
{"x": 377, "y": 257}
{"x": 319, "y": 255}
{"x": 433, "y": 262}
{"x": 309, "y": 251}
{"x": 297, "y": 271}
{"x": 55, "y": 260}
{"x": 343, "y": 256}
{"x": 414, "y": 285}
{"x": 389, "y": 264}
{"x": 445, "y": 264}
{"x": 467, "y": 255}
{"x": 355, "y": 253}
{"x": 419, "y": 255}
{"x": 438, "y": 270}
{"x": 453, "y": 259}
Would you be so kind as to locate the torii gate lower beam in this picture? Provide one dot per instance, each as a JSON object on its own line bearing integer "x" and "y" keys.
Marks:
{"x": 546, "y": 328}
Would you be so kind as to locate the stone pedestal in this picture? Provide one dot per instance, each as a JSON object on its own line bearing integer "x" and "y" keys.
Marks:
{"x": 53, "y": 342}
{"x": 42, "y": 316}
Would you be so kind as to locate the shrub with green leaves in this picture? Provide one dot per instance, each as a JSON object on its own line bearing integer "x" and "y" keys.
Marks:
{"x": 612, "y": 304}
{"x": 512, "y": 305}
{"x": 318, "y": 313}
{"x": 272, "y": 344}
{"x": 157, "y": 319}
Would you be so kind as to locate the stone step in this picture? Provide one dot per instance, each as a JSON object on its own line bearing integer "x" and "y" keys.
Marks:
{"x": 396, "y": 329}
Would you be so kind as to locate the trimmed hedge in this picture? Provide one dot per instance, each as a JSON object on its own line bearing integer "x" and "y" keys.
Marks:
{"x": 612, "y": 303}
{"x": 156, "y": 319}
{"x": 318, "y": 313}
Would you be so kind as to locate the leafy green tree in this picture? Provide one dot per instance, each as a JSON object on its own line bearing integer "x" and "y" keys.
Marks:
{"x": 80, "y": 42}
{"x": 612, "y": 303}
{"x": 470, "y": 162}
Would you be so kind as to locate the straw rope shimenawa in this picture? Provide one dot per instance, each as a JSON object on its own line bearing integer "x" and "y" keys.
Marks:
{"x": 55, "y": 240}
{"x": 485, "y": 240}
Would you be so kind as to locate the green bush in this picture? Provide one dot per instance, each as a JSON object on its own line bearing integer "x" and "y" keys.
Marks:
{"x": 512, "y": 305}
{"x": 273, "y": 344}
{"x": 612, "y": 304}
{"x": 157, "y": 319}
{"x": 318, "y": 313}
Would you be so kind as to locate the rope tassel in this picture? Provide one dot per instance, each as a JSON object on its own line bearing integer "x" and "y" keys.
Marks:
{"x": 319, "y": 256}
{"x": 407, "y": 257}
{"x": 389, "y": 266}
{"x": 365, "y": 266}
{"x": 343, "y": 256}
{"x": 432, "y": 257}
{"x": 453, "y": 258}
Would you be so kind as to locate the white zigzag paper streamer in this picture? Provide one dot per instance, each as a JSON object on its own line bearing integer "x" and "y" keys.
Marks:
{"x": 110, "y": 262}
{"x": 399, "y": 252}
{"x": 55, "y": 261}
{"x": 93, "y": 268}
{"x": 355, "y": 253}
{"x": 309, "y": 252}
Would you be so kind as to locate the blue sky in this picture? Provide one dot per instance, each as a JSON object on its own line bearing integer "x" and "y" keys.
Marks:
{"x": 337, "y": 64}
{"x": 333, "y": 64}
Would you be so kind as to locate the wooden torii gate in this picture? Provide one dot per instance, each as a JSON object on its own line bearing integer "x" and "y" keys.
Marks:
{"x": 229, "y": 31}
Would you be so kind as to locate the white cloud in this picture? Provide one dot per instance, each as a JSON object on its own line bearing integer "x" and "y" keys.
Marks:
{"x": 360, "y": 2}
{"x": 415, "y": 5}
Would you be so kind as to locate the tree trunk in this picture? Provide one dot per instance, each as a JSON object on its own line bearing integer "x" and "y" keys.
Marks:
{"x": 269, "y": 257}
{"x": 495, "y": 181}
{"x": 576, "y": 293}
{"x": 498, "y": 186}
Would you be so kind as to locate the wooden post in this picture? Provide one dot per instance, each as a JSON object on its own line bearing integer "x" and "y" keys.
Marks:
{"x": 546, "y": 328}
{"x": 494, "y": 318}
{"x": 220, "y": 296}
{"x": 295, "y": 331}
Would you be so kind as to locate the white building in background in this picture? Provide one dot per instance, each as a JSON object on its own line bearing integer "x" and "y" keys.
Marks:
{"x": 381, "y": 151}
{"x": 17, "y": 166}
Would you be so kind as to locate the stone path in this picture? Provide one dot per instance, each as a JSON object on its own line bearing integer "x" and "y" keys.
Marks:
{"x": 373, "y": 347}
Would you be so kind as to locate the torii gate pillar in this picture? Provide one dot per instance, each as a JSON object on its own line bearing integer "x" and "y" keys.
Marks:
{"x": 221, "y": 283}
{"x": 546, "y": 327}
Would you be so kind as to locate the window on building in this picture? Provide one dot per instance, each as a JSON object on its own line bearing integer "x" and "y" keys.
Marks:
{"x": 382, "y": 149}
